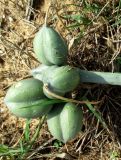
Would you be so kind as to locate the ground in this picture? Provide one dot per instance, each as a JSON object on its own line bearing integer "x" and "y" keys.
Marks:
{"x": 92, "y": 31}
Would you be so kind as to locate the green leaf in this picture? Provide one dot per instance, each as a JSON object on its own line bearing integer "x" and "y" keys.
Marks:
{"x": 27, "y": 131}
{"x": 119, "y": 60}
{"x": 3, "y": 149}
{"x": 78, "y": 18}
{"x": 96, "y": 113}
{"x": 45, "y": 101}
{"x": 21, "y": 146}
{"x": 57, "y": 144}
{"x": 6, "y": 151}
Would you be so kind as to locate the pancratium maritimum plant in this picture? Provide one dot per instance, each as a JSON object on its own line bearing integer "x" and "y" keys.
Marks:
{"x": 32, "y": 98}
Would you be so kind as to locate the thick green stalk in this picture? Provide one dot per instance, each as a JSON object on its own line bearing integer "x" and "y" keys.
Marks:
{"x": 42, "y": 73}
{"x": 100, "y": 77}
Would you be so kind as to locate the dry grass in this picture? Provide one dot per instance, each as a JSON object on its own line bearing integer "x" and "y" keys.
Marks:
{"x": 93, "y": 46}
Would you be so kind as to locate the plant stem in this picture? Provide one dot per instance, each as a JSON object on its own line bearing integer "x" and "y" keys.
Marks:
{"x": 85, "y": 76}
{"x": 100, "y": 77}
{"x": 49, "y": 92}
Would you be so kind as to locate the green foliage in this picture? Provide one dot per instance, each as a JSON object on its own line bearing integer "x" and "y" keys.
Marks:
{"x": 118, "y": 60}
{"x": 95, "y": 112}
{"x": 114, "y": 155}
{"x": 9, "y": 153}
{"x": 25, "y": 144}
{"x": 78, "y": 19}
{"x": 57, "y": 144}
{"x": 27, "y": 131}
{"x": 94, "y": 7}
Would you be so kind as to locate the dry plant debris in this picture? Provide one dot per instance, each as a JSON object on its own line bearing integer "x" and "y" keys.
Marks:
{"x": 95, "y": 44}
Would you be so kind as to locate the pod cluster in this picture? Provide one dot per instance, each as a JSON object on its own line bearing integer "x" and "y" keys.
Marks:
{"x": 30, "y": 99}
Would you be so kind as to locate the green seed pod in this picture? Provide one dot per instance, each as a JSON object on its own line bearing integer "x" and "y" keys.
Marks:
{"x": 64, "y": 79}
{"x": 60, "y": 79}
{"x": 49, "y": 47}
{"x": 65, "y": 121}
{"x": 26, "y": 99}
